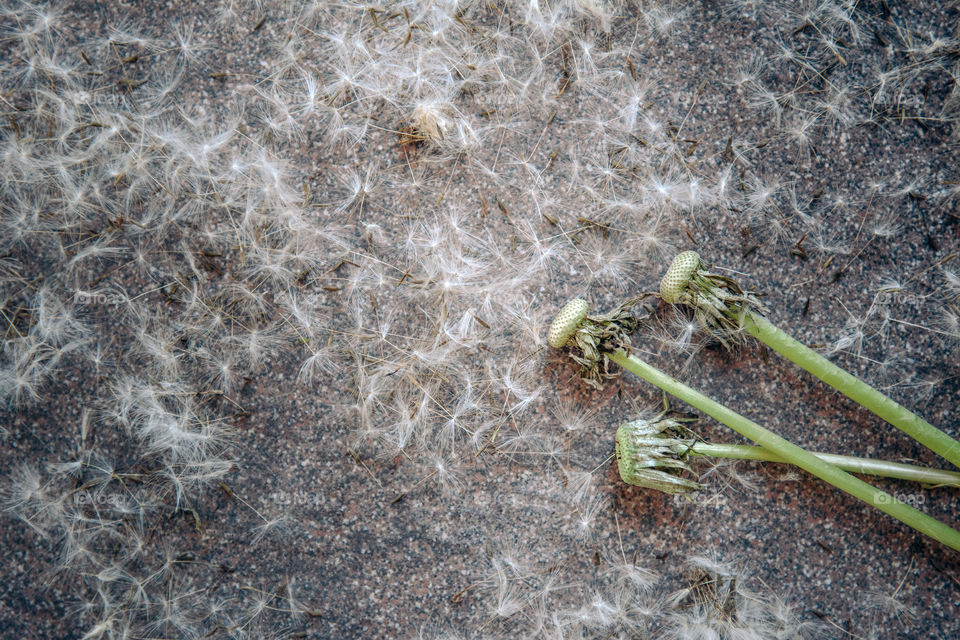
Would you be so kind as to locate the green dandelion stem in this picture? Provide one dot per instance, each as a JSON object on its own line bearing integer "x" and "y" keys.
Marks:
{"x": 851, "y": 464}
{"x": 790, "y": 452}
{"x": 852, "y": 387}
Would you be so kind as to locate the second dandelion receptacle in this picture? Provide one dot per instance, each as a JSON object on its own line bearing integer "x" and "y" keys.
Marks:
{"x": 726, "y": 310}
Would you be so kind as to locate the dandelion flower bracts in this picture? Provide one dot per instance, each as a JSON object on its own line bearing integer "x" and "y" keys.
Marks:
{"x": 647, "y": 455}
{"x": 719, "y": 303}
{"x": 593, "y": 336}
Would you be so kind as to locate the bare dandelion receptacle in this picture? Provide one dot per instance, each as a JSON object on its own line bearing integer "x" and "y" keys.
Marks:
{"x": 678, "y": 276}
{"x": 566, "y": 322}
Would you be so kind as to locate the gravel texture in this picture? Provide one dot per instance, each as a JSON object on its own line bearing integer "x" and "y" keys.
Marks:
{"x": 405, "y": 194}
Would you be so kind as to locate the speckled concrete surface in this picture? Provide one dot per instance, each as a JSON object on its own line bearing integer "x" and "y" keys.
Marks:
{"x": 320, "y": 531}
